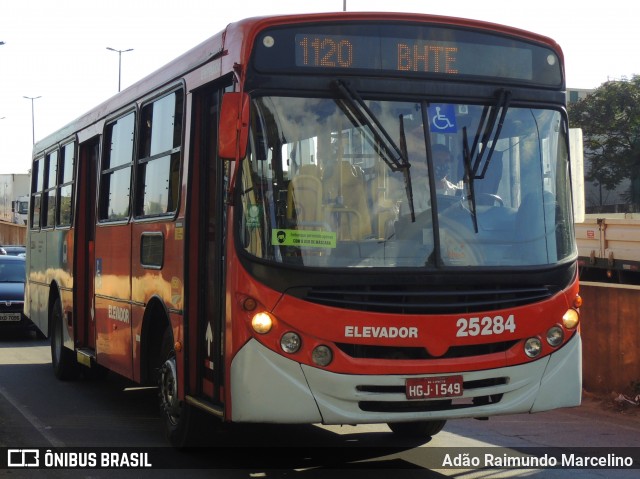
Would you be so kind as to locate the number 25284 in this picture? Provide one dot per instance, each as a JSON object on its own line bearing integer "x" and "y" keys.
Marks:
{"x": 485, "y": 326}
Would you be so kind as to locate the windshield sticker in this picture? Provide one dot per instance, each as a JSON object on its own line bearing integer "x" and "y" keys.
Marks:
{"x": 303, "y": 238}
{"x": 442, "y": 118}
{"x": 254, "y": 216}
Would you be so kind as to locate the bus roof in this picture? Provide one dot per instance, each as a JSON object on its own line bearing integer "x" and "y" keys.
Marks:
{"x": 232, "y": 46}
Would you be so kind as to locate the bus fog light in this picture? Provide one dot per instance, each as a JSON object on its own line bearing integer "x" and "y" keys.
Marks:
{"x": 290, "y": 342}
{"x": 571, "y": 319}
{"x": 555, "y": 336}
{"x": 262, "y": 322}
{"x": 322, "y": 355}
{"x": 532, "y": 347}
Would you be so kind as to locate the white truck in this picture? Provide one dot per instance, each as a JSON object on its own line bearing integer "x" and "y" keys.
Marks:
{"x": 609, "y": 247}
{"x": 608, "y": 243}
{"x": 14, "y": 198}
{"x": 20, "y": 209}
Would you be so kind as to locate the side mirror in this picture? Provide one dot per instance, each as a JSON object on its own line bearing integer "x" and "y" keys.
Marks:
{"x": 233, "y": 130}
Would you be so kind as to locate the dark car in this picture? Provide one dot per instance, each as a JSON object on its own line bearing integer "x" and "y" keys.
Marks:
{"x": 14, "y": 250}
{"x": 12, "y": 279}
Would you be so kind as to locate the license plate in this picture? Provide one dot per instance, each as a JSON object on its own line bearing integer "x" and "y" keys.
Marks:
{"x": 429, "y": 388}
{"x": 10, "y": 317}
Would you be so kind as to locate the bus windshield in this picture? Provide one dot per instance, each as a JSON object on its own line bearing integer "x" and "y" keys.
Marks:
{"x": 343, "y": 183}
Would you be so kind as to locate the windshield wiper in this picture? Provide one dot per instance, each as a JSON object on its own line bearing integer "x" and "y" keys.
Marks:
{"x": 361, "y": 115}
{"x": 490, "y": 126}
{"x": 468, "y": 179}
{"x": 488, "y": 135}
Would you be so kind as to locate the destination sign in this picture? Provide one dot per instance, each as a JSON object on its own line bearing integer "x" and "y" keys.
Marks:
{"x": 417, "y": 50}
{"x": 403, "y": 55}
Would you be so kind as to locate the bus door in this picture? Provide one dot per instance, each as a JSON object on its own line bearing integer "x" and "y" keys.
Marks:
{"x": 207, "y": 257}
{"x": 83, "y": 274}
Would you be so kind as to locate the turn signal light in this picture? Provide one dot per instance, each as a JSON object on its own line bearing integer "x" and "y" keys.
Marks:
{"x": 577, "y": 301}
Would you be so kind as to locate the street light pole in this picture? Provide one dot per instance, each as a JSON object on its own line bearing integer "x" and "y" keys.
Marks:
{"x": 120, "y": 52}
{"x": 33, "y": 123}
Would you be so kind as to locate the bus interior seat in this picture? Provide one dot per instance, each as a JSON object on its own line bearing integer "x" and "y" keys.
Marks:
{"x": 345, "y": 194}
{"x": 304, "y": 197}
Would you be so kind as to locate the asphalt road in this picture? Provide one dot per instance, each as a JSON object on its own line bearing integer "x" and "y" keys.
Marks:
{"x": 38, "y": 411}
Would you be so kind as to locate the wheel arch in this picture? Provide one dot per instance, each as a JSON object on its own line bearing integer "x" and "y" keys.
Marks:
{"x": 154, "y": 322}
{"x": 55, "y": 294}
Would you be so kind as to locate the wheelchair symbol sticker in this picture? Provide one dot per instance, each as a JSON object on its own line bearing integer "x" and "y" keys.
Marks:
{"x": 442, "y": 118}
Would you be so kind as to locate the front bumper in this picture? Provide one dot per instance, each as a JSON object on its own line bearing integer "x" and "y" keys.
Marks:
{"x": 268, "y": 387}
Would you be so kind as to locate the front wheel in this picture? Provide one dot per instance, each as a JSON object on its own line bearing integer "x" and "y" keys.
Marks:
{"x": 63, "y": 360}
{"x": 179, "y": 417}
{"x": 417, "y": 429}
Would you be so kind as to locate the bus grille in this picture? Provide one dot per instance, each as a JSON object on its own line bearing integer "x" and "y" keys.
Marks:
{"x": 431, "y": 299}
{"x": 363, "y": 351}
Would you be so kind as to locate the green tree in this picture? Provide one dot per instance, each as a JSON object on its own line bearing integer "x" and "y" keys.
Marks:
{"x": 610, "y": 122}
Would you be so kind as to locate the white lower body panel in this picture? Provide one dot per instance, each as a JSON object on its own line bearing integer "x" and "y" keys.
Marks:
{"x": 268, "y": 387}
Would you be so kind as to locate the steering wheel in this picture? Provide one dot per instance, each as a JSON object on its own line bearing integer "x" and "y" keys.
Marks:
{"x": 488, "y": 199}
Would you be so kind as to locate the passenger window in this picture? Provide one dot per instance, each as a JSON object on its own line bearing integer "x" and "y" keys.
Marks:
{"x": 158, "y": 174}
{"x": 37, "y": 185}
{"x": 65, "y": 189}
{"x": 115, "y": 176}
{"x": 49, "y": 197}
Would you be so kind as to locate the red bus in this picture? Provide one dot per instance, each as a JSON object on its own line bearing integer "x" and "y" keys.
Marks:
{"x": 332, "y": 218}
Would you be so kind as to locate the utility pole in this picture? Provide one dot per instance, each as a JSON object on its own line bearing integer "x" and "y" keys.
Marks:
{"x": 33, "y": 122}
{"x": 120, "y": 52}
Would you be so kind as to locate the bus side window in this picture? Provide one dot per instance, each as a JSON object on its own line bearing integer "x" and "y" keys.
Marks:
{"x": 65, "y": 185}
{"x": 159, "y": 148}
{"x": 36, "y": 195}
{"x": 49, "y": 196}
{"x": 115, "y": 177}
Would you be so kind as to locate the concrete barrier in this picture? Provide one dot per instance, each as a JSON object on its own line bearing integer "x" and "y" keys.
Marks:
{"x": 610, "y": 325}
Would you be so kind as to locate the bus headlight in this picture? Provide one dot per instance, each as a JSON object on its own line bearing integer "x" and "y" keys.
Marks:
{"x": 262, "y": 322}
{"x": 322, "y": 355}
{"x": 532, "y": 347}
{"x": 571, "y": 318}
{"x": 290, "y": 342}
{"x": 555, "y": 336}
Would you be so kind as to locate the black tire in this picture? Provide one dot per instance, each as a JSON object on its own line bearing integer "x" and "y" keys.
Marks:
{"x": 64, "y": 363}
{"x": 180, "y": 419}
{"x": 417, "y": 429}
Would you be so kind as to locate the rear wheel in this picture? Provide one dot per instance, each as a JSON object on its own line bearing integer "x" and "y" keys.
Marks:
{"x": 63, "y": 360}
{"x": 417, "y": 429}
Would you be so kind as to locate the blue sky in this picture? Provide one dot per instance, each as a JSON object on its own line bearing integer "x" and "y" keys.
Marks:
{"x": 57, "y": 50}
